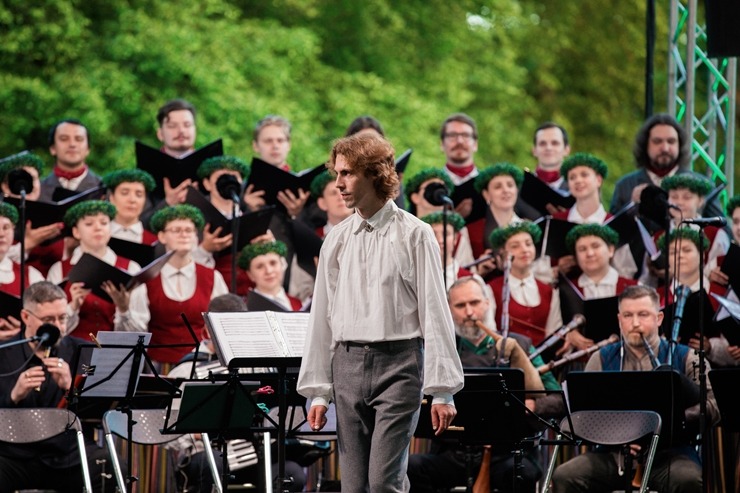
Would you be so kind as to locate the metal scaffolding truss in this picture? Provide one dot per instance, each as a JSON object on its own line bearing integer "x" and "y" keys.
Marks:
{"x": 701, "y": 95}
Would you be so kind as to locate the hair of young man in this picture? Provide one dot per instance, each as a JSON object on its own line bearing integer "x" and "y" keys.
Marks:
{"x": 372, "y": 156}
{"x": 460, "y": 118}
{"x": 271, "y": 120}
{"x": 73, "y": 121}
{"x": 643, "y": 136}
{"x": 545, "y": 126}
{"x": 173, "y": 105}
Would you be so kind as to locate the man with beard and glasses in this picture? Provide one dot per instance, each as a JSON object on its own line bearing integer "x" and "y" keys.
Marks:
{"x": 662, "y": 148}
{"x": 459, "y": 136}
{"x": 445, "y": 465}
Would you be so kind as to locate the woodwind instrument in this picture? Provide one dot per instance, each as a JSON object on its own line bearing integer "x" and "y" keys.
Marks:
{"x": 653, "y": 359}
{"x": 505, "y": 297}
{"x": 577, "y": 354}
{"x": 47, "y": 353}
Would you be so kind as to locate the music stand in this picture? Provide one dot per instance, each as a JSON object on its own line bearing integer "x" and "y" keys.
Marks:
{"x": 491, "y": 397}
{"x": 224, "y": 409}
{"x": 724, "y": 385}
{"x": 660, "y": 391}
{"x": 113, "y": 376}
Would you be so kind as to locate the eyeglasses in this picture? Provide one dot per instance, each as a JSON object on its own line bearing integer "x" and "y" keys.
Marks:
{"x": 61, "y": 319}
{"x": 452, "y": 136}
{"x": 177, "y": 231}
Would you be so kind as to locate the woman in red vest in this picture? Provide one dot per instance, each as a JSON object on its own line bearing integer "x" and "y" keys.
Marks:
{"x": 127, "y": 191}
{"x": 265, "y": 264}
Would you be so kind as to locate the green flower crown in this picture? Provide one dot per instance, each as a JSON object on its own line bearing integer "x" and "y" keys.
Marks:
{"x": 114, "y": 178}
{"x": 498, "y": 169}
{"x": 9, "y": 211}
{"x": 19, "y": 161}
{"x": 88, "y": 208}
{"x": 253, "y": 250}
{"x": 685, "y": 233}
{"x": 733, "y": 204}
{"x": 213, "y": 164}
{"x": 699, "y": 185}
{"x": 453, "y": 218}
{"x": 583, "y": 159}
{"x": 319, "y": 183}
{"x": 606, "y": 233}
{"x": 414, "y": 183}
{"x": 163, "y": 217}
{"x": 499, "y": 236}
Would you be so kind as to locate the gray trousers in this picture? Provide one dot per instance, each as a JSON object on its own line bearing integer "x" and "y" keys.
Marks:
{"x": 377, "y": 392}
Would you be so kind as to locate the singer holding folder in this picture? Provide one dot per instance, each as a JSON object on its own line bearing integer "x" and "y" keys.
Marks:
{"x": 37, "y": 375}
{"x": 676, "y": 467}
{"x": 380, "y": 334}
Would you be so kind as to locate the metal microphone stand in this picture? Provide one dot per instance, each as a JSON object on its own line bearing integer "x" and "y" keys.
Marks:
{"x": 234, "y": 243}
{"x": 22, "y": 240}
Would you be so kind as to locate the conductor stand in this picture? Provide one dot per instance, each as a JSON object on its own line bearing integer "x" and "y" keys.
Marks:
{"x": 20, "y": 182}
{"x": 119, "y": 383}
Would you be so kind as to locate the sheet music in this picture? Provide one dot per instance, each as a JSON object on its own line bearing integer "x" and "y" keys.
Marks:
{"x": 106, "y": 359}
{"x": 257, "y": 334}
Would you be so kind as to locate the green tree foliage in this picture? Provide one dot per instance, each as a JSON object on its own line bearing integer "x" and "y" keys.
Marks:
{"x": 509, "y": 64}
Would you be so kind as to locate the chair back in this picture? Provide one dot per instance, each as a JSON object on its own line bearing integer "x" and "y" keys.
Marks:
{"x": 29, "y": 425}
{"x": 613, "y": 427}
{"x": 146, "y": 429}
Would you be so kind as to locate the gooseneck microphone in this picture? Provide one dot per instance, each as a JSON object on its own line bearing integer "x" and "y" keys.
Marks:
{"x": 707, "y": 221}
{"x": 437, "y": 194}
{"x": 47, "y": 335}
{"x": 229, "y": 187}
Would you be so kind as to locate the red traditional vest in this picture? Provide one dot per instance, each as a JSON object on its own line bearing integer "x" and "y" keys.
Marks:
{"x": 243, "y": 282}
{"x": 14, "y": 287}
{"x": 525, "y": 320}
{"x": 166, "y": 324}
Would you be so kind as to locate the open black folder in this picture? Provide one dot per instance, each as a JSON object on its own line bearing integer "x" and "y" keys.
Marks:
{"x": 731, "y": 266}
{"x": 271, "y": 179}
{"x": 10, "y": 306}
{"x": 42, "y": 213}
{"x": 554, "y": 232}
{"x": 94, "y": 272}
{"x": 690, "y": 320}
{"x": 250, "y": 225}
{"x": 403, "y": 160}
{"x": 467, "y": 191}
{"x": 600, "y": 313}
{"x": 161, "y": 165}
{"x": 138, "y": 252}
{"x": 727, "y": 318}
{"x": 538, "y": 194}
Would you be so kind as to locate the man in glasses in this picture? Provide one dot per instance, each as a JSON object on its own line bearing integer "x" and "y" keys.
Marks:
{"x": 459, "y": 142}
{"x": 35, "y": 375}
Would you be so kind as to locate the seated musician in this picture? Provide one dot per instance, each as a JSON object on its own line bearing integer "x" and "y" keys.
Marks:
{"x": 479, "y": 346}
{"x": 593, "y": 246}
{"x": 676, "y": 468}
{"x": 32, "y": 378}
{"x": 127, "y": 191}
{"x": 41, "y": 253}
{"x": 196, "y": 475}
{"x": 265, "y": 265}
{"x": 534, "y": 307}
{"x": 89, "y": 313}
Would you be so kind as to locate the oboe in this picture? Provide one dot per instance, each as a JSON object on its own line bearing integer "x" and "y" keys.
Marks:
{"x": 577, "y": 354}
{"x": 653, "y": 359}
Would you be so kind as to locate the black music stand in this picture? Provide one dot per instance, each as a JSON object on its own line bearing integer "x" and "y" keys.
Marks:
{"x": 662, "y": 391}
{"x": 490, "y": 397}
{"x": 222, "y": 409}
{"x": 117, "y": 388}
{"x": 724, "y": 385}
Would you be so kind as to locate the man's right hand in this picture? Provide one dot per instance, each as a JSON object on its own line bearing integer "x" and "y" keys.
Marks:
{"x": 317, "y": 417}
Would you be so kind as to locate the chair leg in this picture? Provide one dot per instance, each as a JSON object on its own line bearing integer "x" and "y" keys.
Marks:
{"x": 83, "y": 462}
{"x": 116, "y": 464}
{"x": 212, "y": 463}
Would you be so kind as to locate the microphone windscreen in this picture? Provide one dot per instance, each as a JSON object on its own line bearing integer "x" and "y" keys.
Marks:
{"x": 48, "y": 335}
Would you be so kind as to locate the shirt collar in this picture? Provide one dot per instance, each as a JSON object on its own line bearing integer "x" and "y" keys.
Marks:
{"x": 6, "y": 265}
{"x": 168, "y": 270}
{"x": 137, "y": 228}
{"x": 527, "y": 281}
{"x": 109, "y": 256}
{"x": 378, "y": 221}
{"x": 610, "y": 279}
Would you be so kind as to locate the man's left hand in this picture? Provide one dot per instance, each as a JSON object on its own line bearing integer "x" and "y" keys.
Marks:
{"x": 442, "y": 416}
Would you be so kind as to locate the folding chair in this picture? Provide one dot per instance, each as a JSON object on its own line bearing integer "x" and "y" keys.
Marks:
{"x": 29, "y": 425}
{"x": 146, "y": 431}
{"x": 611, "y": 428}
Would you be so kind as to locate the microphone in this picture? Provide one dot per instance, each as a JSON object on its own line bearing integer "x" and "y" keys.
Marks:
{"x": 47, "y": 335}
{"x": 681, "y": 295}
{"x": 576, "y": 322}
{"x": 437, "y": 194}
{"x": 229, "y": 187}
{"x": 707, "y": 221}
{"x": 654, "y": 204}
{"x": 20, "y": 181}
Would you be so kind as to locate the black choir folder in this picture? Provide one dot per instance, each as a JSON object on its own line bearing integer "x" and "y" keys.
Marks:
{"x": 161, "y": 165}
{"x": 94, "y": 272}
{"x": 539, "y": 194}
{"x": 10, "y": 306}
{"x": 42, "y": 213}
{"x": 271, "y": 179}
{"x": 252, "y": 339}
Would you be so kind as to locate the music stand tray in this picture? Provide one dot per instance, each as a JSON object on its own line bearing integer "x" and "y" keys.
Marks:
{"x": 724, "y": 385}
{"x": 659, "y": 391}
{"x": 489, "y": 408}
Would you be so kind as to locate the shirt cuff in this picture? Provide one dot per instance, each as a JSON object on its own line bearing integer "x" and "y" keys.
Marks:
{"x": 444, "y": 398}
{"x": 320, "y": 401}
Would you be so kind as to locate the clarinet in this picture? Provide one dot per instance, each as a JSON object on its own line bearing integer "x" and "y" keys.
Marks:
{"x": 505, "y": 297}
{"x": 576, "y": 354}
{"x": 653, "y": 359}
